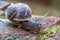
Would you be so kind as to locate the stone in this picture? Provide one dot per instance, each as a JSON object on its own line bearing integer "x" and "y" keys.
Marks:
{"x": 48, "y": 22}
{"x": 3, "y": 4}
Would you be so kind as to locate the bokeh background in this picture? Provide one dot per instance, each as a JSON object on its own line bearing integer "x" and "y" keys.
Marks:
{"x": 38, "y": 8}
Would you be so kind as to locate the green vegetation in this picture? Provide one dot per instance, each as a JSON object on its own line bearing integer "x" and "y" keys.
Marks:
{"x": 9, "y": 39}
{"x": 49, "y": 31}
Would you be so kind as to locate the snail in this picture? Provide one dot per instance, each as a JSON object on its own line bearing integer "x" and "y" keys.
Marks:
{"x": 20, "y": 14}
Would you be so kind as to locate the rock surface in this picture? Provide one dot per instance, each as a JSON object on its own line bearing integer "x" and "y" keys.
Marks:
{"x": 6, "y": 29}
{"x": 3, "y": 4}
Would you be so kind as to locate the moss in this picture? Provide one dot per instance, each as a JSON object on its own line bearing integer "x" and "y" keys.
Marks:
{"x": 49, "y": 31}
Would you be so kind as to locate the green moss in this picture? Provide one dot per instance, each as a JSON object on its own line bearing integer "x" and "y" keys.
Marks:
{"x": 49, "y": 31}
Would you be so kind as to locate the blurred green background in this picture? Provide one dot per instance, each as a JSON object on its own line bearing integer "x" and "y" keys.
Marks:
{"x": 38, "y": 9}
